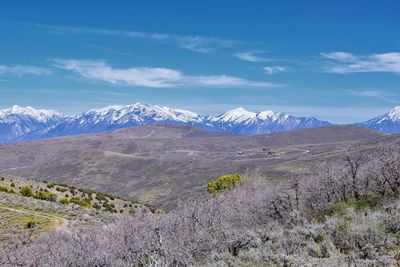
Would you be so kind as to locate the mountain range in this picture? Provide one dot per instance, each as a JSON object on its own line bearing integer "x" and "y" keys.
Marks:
{"x": 26, "y": 123}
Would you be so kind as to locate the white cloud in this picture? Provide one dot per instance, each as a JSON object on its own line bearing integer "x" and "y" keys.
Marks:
{"x": 341, "y": 56}
{"x": 22, "y": 70}
{"x": 107, "y": 49}
{"x": 250, "y": 56}
{"x": 195, "y": 43}
{"x": 373, "y": 94}
{"x": 274, "y": 70}
{"x": 342, "y": 62}
{"x": 152, "y": 77}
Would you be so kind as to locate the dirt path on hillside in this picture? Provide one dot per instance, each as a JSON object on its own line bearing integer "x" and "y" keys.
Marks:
{"x": 59, "y": 220}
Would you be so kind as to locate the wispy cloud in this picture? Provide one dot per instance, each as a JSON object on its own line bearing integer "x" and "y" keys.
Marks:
{"x": 343, "y": 62}
{"x": 23, "y": 70}
{"x": 152, "y": 77}
{"x": 200, "y": 44}
{"x": 251, "y": 56}
{"x": 107, "y": 49}
{"x": 373, "y": 94}
{"x": 274, "y": 70}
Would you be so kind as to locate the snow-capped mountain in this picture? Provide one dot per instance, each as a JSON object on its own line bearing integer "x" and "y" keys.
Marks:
{"x": 246, "y": 122}
{"x": 18, "y": 123}
{"x": 116, "y": 117}
{"x": 388, "y": 123}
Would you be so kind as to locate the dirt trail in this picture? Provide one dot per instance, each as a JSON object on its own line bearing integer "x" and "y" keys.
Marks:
{"x": 59, "y": 220}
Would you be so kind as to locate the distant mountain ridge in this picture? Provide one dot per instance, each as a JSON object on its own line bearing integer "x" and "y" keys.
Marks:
{"x": 17, "y": 123}
{"x": 116, "y": 117}
{"x": 245, "y": 122}
{"x": 235, "y": 121}
{"x": 23, "y": 124}
{"x": 387, "y": 123}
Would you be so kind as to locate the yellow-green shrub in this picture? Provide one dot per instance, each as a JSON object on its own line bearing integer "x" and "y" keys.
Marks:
{"x": 26, "y": 191}
{"x": 64, "y": 201}
{"x": 225, "y": 182}
{"x": 80, "y": 202}
{"x": 46, "y": 196}
{"x": 3, "y": 189}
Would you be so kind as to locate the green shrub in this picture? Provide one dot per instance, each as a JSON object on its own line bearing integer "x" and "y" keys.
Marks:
{"x": 46, "y": 196}
{"x": 12, "y": 185}
{"x": 223, "y": 183}
{"x": 2, "y": 178}
{"x": 30, "y": 224}
{"x": 320, "y": 238}
{"x": 100, "y": 197}
{"x": 64, "y": 201}
{"x": 88, "y": 192}
{"x": 80, "y": 202}
{"x": 50, "y": 185}
{"x": 3, "y": 189}
{"x": 357, "y": 204}
{"x": 26, "y": 191}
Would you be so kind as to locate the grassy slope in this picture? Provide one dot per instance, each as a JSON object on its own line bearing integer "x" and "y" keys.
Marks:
{"x": 14, "y": 220}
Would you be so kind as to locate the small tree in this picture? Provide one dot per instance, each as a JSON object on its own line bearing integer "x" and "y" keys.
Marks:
{"x": 26, "y": 191}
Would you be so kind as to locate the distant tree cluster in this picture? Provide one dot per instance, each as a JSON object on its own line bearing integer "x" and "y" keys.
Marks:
{"x": 43, "y": 195}
{"x": 323, "y": 218}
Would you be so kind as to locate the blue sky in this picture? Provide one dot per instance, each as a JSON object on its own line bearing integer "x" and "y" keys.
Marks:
{"x": 335, "y": 60}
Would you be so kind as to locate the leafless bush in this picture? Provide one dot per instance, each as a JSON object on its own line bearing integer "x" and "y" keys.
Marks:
{"x": 356, "y": 175}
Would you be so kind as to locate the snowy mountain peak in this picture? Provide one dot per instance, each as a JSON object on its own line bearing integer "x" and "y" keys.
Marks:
{"x": 41, "y": 115}
{"x": 137, "y": 114}
{"x": 266, "y": 114}
{"x": 22, "y": 123}
{"x": 237, "y": 115}
{"x": 388, "y": 123}
{"x": 394, "y": 114}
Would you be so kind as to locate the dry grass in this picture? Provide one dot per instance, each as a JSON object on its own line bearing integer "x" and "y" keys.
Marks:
{"x": 161, "y": 164}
